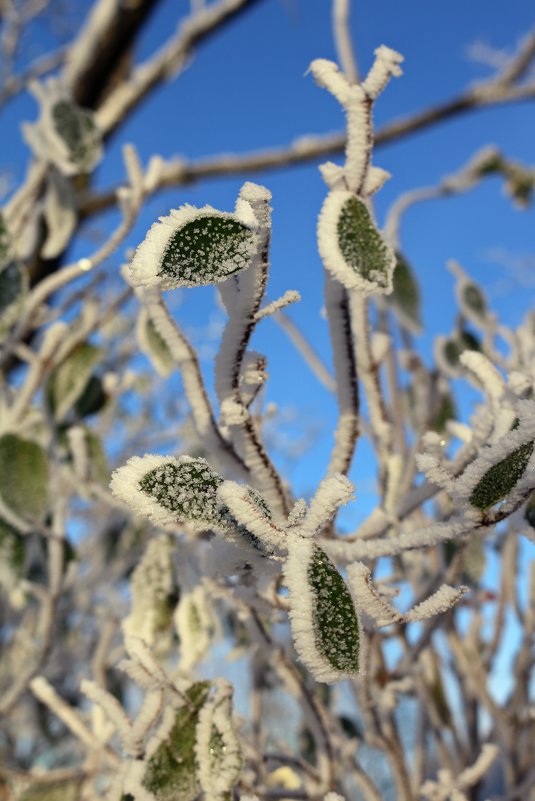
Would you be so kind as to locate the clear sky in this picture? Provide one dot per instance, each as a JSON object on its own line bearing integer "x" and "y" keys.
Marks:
{"x": 247, "y": 89}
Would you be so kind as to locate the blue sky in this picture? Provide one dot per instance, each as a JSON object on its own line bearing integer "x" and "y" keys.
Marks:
{"x": 247, "y": 89}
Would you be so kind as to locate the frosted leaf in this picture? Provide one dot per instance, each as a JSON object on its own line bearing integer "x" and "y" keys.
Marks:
{"x": 153, "y": 588}
{"x": 23, "y": 476}
{"x": 249, "y": 513}
{"x": 529, "y": 512}
{"x": 68, "y": 790}
{"x": 183, "y": 490}
{"x": 441, "y": 600}
{"x": 6, "y": 250}
{"x": 13, "y": 290}
{"x": 92, "y": 398}
{"x": 59, "y": 214}
{"x": 405, "y": 296}
{"x": 77, "y": 129}
{"x": 195, "y": 625}
{"x": 12, "y": 552}
{"x": 351, "y": 246}
{"x": 501, "y": 478}
{"x": 485, "y": 372}
{"x": 69, "y": 379}
{"x": 64, "y": 134}
{"x": 383, "y": 613}
{"x": 473, "y": 299}
{"x": 470, "y": 297}
{"x": 504, "y": 468}
{"x": 193, "y": 247}
{"x": 448, "y": 351}
{"x": 375, "y": 180}
{"x": 324, "y": 622}
{"x": 473, "y": 558}
{"x": 169, "y": 490}
{"x": 153, "y": 345}
{"x": 13, "y": 281}
{"x": 386, "y": 65}
{"x": 217, "y": 748}
{"x": 171, "y": 773}
{"x": 333, "y": 492}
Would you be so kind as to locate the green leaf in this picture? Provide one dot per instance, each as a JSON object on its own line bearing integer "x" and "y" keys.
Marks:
{"x": 70, "y": 378}
{"x": 13, "y": 290}
{"x": 405, "y": 294}
{"x": 23, "y": 476}
{"x": 92, "y": 399}
{"x": 52, "y": 791}
{"x": 502, "y": 478}
{"x": 207, "y": 250}
{"x": 445, "y": 410}
{"x": 351, "y": 246}
{"x": 186, "y": 488}
{"x": 474, "y": 299}
{"x": 76, "y": 127}
{"x": 218, "y": 752}
{"x": 324, "y": 620}
{"x": 153, "y": 346}
{"x": 171, "y": 772}
{"x": 336, "y": 627}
